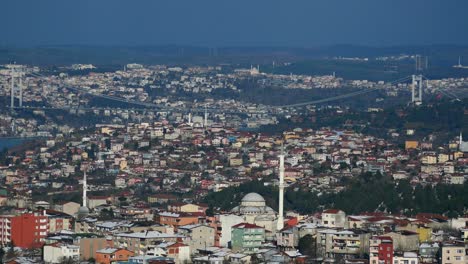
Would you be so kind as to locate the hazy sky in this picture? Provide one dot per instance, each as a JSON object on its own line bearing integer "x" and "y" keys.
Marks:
{"x": 302, "y": 23}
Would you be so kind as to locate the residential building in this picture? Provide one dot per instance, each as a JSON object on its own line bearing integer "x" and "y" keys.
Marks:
{"x": 333, "y": 218}
{"x": 112, "y": 255}
{"x": 381, "y": 250}
{"x": 247, "y": 237}
{"x": 453, "y": 253}
{"x": 26, "y": 231}
{"x": 406, "y": 258}
{"x": 200, "y": 236}
{"x": 58, "y": 253}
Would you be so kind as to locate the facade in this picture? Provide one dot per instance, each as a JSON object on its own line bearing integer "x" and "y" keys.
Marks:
{"x": 56, "y": 253}
{"x": 428, "y": 252}
{"x": 404, "y": 240}
{"x": 247, "y": 237}
{"x": 223, "y": 225}
{"x": 70, "y": 208}
{"x": 138, "y": 242}
{"x": 177, "y": 219}
{"x": 201, "y": 236}
{"x": 58, "y": 221}
{"x": 453, "y": 254}
{"x": 177, "y": 251}
{"x": 5, "y": 230}
{"x": 186, "y": 208}
{"x": 381, "y": 250}
{"x": 350, "y": 243}
{"x": 112, "y": 255}
{"x": 89, "y": 246}
{"x": 25, "y": 231}
{"x": 333, "y": 218}
{"x": 287, "y": 237}
{"x": 406, "y": 258}
{"x": 95, "y": 201}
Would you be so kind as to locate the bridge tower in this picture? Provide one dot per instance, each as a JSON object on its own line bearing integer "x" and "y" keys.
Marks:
{"x": 416, "y": 89}
{"x": 16, "y": 84}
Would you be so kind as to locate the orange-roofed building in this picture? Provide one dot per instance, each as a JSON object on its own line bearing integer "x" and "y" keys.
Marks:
{"x": 112, "y": 255}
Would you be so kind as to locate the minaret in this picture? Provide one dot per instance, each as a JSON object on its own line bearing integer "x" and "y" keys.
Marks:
{"x": 190, "y": 119}
{"x": 461, "y": 139}
{"x": 83, "y": 211}
{"x": 280, "y": 222}
{"x": 85, "y": 187}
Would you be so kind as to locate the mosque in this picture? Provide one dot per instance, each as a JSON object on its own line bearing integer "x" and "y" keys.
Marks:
{"x": 254, "y": 210}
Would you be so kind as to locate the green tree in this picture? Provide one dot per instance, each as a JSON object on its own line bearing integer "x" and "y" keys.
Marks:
{"x": 308, "y": 246}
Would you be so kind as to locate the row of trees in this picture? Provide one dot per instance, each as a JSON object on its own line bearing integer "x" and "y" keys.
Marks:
{"x": 366, "y": 193}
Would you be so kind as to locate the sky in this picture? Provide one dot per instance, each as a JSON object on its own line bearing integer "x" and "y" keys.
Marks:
{"x": 294, "y": 23}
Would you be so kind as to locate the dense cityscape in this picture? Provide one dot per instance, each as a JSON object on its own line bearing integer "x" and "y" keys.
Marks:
{"x": 151, "y": 183}
{"x": 163, "y": 133}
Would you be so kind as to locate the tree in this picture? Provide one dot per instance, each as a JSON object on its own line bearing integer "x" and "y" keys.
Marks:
{"x": 308, "y": 246}
{"x": 2, "y": 254}
{"x": 11, "y": 251}
{"x": 210, "y": 211}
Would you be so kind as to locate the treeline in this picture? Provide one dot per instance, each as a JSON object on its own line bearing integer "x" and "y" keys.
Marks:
{"x": 366, "y": 193}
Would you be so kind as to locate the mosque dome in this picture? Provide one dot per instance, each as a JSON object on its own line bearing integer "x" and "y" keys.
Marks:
{"x": 253, "y": 197}
{"x": 83, "y": 212}
{"x": 253, "y": 204}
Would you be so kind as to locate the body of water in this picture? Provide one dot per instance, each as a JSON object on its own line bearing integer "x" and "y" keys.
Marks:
{"x": 11, "y": 142}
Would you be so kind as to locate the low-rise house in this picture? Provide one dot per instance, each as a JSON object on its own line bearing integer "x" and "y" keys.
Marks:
{"x": 112, "y": 255}
{"x": 333, "y": 218}
{"x": 60, "y": 253}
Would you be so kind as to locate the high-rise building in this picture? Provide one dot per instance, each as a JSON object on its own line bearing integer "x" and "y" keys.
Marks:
{"x": 25, "y": 231}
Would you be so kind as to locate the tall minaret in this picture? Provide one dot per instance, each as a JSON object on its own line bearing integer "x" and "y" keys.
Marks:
{"x": 280, "y": 222}
{"x": 460, "y": 139}
{"x": 190, "y": 119}
{"x": 83, "y": 211}
{"x": 85, "y": 187}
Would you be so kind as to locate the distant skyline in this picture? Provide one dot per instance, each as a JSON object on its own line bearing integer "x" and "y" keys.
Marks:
{"x": 295, "y": 23}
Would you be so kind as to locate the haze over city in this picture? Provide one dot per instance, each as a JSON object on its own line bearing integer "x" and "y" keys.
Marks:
{"x": 246, "y": 132}
{"x": 299, "y": 23}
